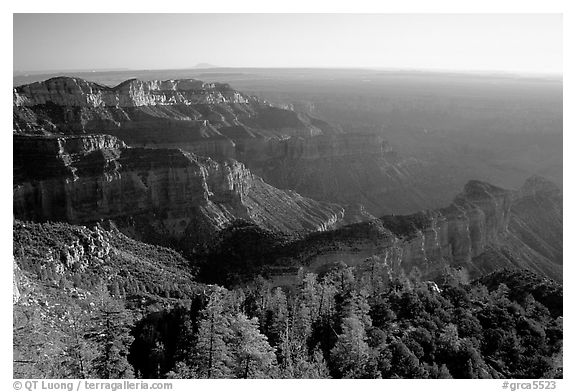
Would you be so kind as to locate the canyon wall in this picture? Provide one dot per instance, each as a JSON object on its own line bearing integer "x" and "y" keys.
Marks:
{"x": 184, "y": 159}
{"x": 485, "y": 228}
{"x": 534, "y": 238}
{"x": 155, "y": 192}
{"x": 289, "y": 150}
{"x": 66, "y": 91}
{"x": 176, "y": 109}
{"x": 348, "y": 169}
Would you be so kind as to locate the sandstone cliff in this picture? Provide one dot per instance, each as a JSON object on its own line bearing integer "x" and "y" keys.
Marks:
{"x": 289, "y": 150}
{"x": 346, "y": 169}
{"x": 179, "y": 110}
{"x": 484, "y": 229}
{"x": 74, "y": 92}
{"x": 162, "y": 195}
{"x": 534, "y": 237}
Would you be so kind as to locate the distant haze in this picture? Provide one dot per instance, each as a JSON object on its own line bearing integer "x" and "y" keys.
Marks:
{"x": 471, "y": 42}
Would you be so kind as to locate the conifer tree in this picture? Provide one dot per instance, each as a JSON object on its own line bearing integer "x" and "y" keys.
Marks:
{"x": 309, "y": 294}
{"x": 444, "y": 372}
{"x": 113, "y": 339}
{"x": 211, "y": 355}
{"x": 79, "y": 351}
{"x": 276, "y": 317}
{"x": 351, "y": 352}
{"x": 253, "y": 356}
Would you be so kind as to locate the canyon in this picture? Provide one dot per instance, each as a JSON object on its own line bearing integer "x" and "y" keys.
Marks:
{"x": 159, "y": 195}
{"x": 227, "y": 178}
{"x": 287, "y": 149}
{"x": 486, "y": 228}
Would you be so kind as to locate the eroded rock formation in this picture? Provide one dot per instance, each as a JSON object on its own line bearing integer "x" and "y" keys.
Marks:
{"x": 484, "y": 229}
{"x": 179, "y": 160}
{"x": 161, "y": 192}
{"x": 172, "y": 110}
{"x": 289, "y": 150}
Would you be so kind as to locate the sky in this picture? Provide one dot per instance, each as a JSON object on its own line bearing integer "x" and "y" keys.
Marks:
{"x": 517, "y": 43}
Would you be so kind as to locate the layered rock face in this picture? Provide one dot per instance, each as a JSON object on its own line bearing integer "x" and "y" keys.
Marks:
{"x": 346, "y": 169}
{"x": 155, "y": 192}
{"x": 141, "y": 112}
{"x": 534, "y": 237}
{"x": 161, "y": 168}
{"x": 289, "y": 150}
{"x": 478, "y": 216}
{"x": 537, "y": 217}
{"x": 484, "y": 229}
{"x": 77, "y": 92}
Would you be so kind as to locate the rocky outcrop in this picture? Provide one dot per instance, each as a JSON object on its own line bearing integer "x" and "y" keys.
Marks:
{"x": 478, "y": 216}
{"x": 75, "y": 92}
{"x": 484, "y": 229}
{"x": 146, "y": 171}
{"x": 86, "y": 257}
{"x": 156, "y": 193}
{"x": 39, "y": 158}
{"x": 534, "y": 239}
{"x": 288, "y": 149}
{"x": 140, "y": 112}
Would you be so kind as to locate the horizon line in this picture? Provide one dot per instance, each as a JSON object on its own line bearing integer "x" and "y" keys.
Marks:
{"x": 16, "y": 72}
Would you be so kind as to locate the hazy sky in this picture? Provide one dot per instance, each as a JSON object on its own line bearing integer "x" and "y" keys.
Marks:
{"x": 513, "y": 43}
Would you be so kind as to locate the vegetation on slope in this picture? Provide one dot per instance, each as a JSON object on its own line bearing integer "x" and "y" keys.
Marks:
{"x": 82, "y": 319}
{"x": 359, "y": 325}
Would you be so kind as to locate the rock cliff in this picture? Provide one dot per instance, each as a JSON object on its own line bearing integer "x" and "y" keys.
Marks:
{"x": 58, "y": 265}
{"x": 156, "y": 193}
{"x": 289, "y": 150}
{"x": 75, "y": 92}
{"x": 148, "y": 111}
{"x": 534, "y": 237}
{"x": 484, "y": 229}
{"x": 346, "y": 169}
{"x": 161, "y": 168}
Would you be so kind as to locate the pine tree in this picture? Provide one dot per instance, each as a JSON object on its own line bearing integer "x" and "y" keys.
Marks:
{"x": 404, "y": 363}
{"x": 327, "y": 300}
{"x": 319, "y": 367}
{"x": 211, "y": 357}
{"x": 253, "y": 356}
{"x": 113, "y": 339}
{"x": 276, "y": 317}
{"x": 79, "y": 350}
{"x": 302, "y": 320}
{"x": 351, "y": 352}
{"x": 181, "y": 371}
{"x": 342, "y": 277}
{"x": 356, "y": 304}
{"x": 309, "y": 294}
{"x": 444, "y": 372}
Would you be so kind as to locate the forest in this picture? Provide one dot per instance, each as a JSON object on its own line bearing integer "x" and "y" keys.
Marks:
{"x": 350, "y": 322}
{"x": 358, "y": 325}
